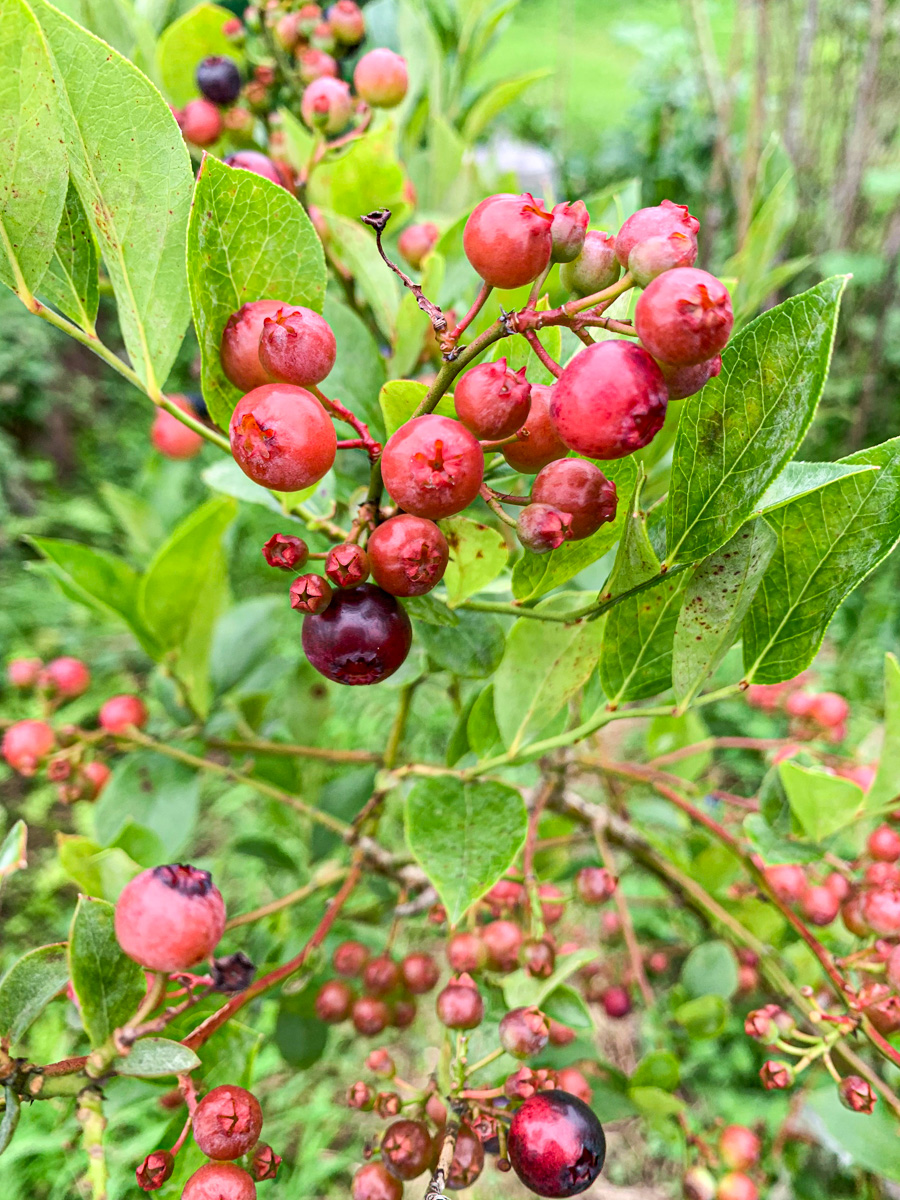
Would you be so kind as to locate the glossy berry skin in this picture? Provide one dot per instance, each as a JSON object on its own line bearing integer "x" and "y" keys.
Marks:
{"x": 460, "y": 1006}
{"x": 310, "y": 594}
{"x": 524, "y": 1032}
{"x": 171, "y": 437}
{"x": 406, "y": 1148}
{"x": 347, "y": 22}
{"x": 282, "y": 437}
{"x": 155, "y": 1170}
{"x": 297, "y": 346}
{"x": 380, "y": 976}
{"x": 682, "y": 382}
{"x": 201, "y": 122}
{"x": 736, "y": 1186}
{"x": 333, "y": 1002}
{"x": 543, "y": 444}
{"x": 370, "y": 1016}
{"x": 219, "y": 79}
{"x": 347, "y": 565}
{"x": 507, "y": 239}
{"x": 315, "y": 64}
{"x": 381, "y": 78}
{"x": 884, "y": 844}
{"x": 503, "y": 941}
{"x": 168, "y": 918}
{"x": 568, "y": 230}
{"x": 432, "y": 466}
{"x": 23, "y": 672}
{"x": 285, "y": 551}
{"x": 542, "y": 528}
{"x": 327, "y": 104}
{"x": 66, "y": 677}
{"x": 492, "y": 401}
{"x": 420, "y": 973}
{"x": 684, "y": 317}
{"x": 658, "y": 221}
{"x": 260, "y": 164}
{"x": 219, "y": 1181}
{"x": 595, "y": 268}
{"x": 609, "y": 401}
{"x": 580, "y": 489}
{"x": 408, "y": 555}
{"x": 227, "y": 1122}
{"x": 375, "y": 1182}
{"x": 466, "y": 952}
{"x": 362, "y": 637}
{"x": 121, "y": 713}
{"x": 657, "y": 254}
{"x": 595, "y": 884}
{"x": 349, "y": 958}
{"x": 239, "y": 352}
{"x": 739, "y": 1147}
{"x": 556, "y": 1145}
{"x": 416, "y": 242}
{"x": 468, "y": 1160}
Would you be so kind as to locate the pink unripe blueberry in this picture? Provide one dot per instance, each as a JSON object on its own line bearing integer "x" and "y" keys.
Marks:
{"x": 347, "y": 565}
{"x": 155, "y": 1170}
{"x": 416, "y": 242}
{"x": 333, "y": 1001}
{"x": 466, "y": 952}
{"x": 408, "y": 555}
{"x": 684, "y": 316}
{"x": 327, "y": 104}
{"x": 282, "y": 437}
{"x": 201, "y": 122}
{"x": 96, "y": 775}
{"x": 121, "y": 713}
{"x": 239, "y": 352}
{"x": 227, "y": 1122}
{"x": 315, "y": 64}
{"x": 682, "y": 382}
{"x": 884, "y": 844}
{"x": 310, "y": 594}
{"x": 459, "y": 1005}
{"x": 657, "y": 254}
{"x": 595, "y": 268}
{"x": 736, "y": 1186}
{"x": 616, "y": 1002}
{"x": 66, "y": 677}
{"x": 739, "y": 1147}
{"x": 285, "y": 551}
{"x": 819, "y": 905}
{"x": 881, "y": 910}
{"x": 657, "y": 221}
{"x": 260, "y": 164}
{"x": 23, "y": 672}
{"x": 892, "y": 968}
{"x": 580, "y": 489}
{"x": 540, "y": 444}
{"x": 297, "y": 346}
{"x": 829, "y": 709}
{"x": 503, "y": 941}
{"x": 609, "y": 401}
{"x": 787, "y": 881}
{"x": 287, "y": 30}
{"x": 570, "y": 1079}
{"x": 492, "y": 401}
{"x": 381, "y": 78}
{"x": 219, "y": 1181}
{"x": 856, "y": 1094}
{"x": 322, "y": 37}
{"x": 265, "y": 1163}
{"x": 542, "y": 528}
{"x": 507, "y": 239}
{"x": 432, "y": 466}
{"x": 595, "y": 884}
{"x": 799, "y": 704}
{"x": 524, "y": 1032}
{"x": 347, "y": 22}
{"x": 568, "y": 230}
{"x": 168, "y": 918}
{"x": 171, "y": 437}
{"x": 561, "y": 1035}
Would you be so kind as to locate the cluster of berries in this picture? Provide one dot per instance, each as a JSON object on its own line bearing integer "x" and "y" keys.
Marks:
{"x": 813, "y": 714}
{"x": 738, "y": 1151}
{"x": 33, "y": 743}
{"x": 388, "y": 988}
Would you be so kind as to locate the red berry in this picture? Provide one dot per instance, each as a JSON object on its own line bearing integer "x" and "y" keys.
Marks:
{"x": 736, "y": 1186}
{"x": 408, "y": 555}
{"x": 261, "y": 164}
{"x": 799, "y": 704}
{"x": 881, "y": 1007}
{"x": 387, "y": 1104}
{"x": 881, "y": 910}
{"x": 121, "y": 713}
{"x": 539, "y": 958}
{"x": 856, "y": 1094}
{"x": 347, "y": 565}
{"x": 349, "y": 958}
{"x": 657, "y": 221}
{"x": 327, "y": 104}
{"x": 201, "y": 122}
{"x": 568, "y": 230}
{"x": 492, "y": 401}
{"x": 419, "y": 973}
{"x": 380, "y": 1063}
{"x": 829, "y": 709}
{"x": 838, "y": 885}
{"x": 580, "y": 489}
{"x": 657, "y": 254}
{"x": 297, "y": 346}
{"x": 168, "y": 918}
{"x": 556, "y": 1144}
{"x": 884, "y": 844}
{"x": 370, "y": 1016}
{"x": 25, "y": 743}
{"x": 539, "y": 443}
{"x": 239, "y": 352}
{"x": 460, "y": 1006}
{"x": 219, "y": 1181}
{"x": 316, "y": 64}
{"x": 524, "y": 1032}
{"x": 265, "y": 1163}
{"x": 285, "y": 551}
{"x": 381, "y": 78}
{"x": 503, "y": 941}
{"x": 468, "y": 1159}
{"x": 361, "y": 1096}
{"x": 282, "y": 437}
{"x": 219, "y": 79}
{"x": 504, "y": 896}
{"x": 380, "y": 976}
{"x": 787, "y": 881}
{"x": 310, "y": 593}
{"x": 416, "y": 242}
{"x": 23, "y": 672}
{"x": 96, "y": 775}
{"x": 552, "y": 907}
{"x": 406, "y": 1148}
{"x": 571, "y": 1080}
{"x": 347, "y": 22}
{"x": 361, "y": 638}
{"x": 658, "y": 963}
{"x": 403, "y": 1013}
{"x": 155, "y": 1170}
{"x": 852, "y": 917}
{"x": 820, "y": 905}
{"x": 227, "y": 1122}
{"x": 739, "y": 1147}
{"x": 541, "y": 528}
{"x": 171, "y": 437}
{"x": 616, "y": 1002}
{"x": 561, "y": 1035}
{"x": 333, "y": 1002}
{"x": 507, "y": 239}
{"x": 432, "y": 466}
{"x": 684, "y": 316}
{"x": 595, "y": 884}
{"x": 682, "y": 382}
{"x": 466, "y": 952}
{"x": 776, "y": 1076}
{"x": 609, "y": 401}
{"x": 596, "y": 267}
{"x": 66, "y": 677}
{"x": 375, "y": 1182}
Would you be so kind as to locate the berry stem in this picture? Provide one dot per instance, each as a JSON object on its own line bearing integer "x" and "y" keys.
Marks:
{"x": 537, "y": 346}
{"x": 435, "y": 1189}
{"x": 483, "y": 1062}
{"x": 324, "y": 878}
{"x": 262, "y": 746}
{"x": 93, "y": 1125}
{"x": 493, "y": 504}
{"x": 377, "y": 221}
{"x": 718, "y": 743}
{"x": 631, "y": 942}
{"x": 449, "y": 342}
{"x": 344, "y": 414}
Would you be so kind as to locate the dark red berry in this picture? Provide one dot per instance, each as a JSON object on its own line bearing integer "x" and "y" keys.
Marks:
{"x": 609, "y": 401}
{"x": 579, "y": 488}
{"x": 219, "y": 79}
{"x": 297, "y": 346}
{"x": 503, "y": 941}
{"x": 552, "y": 907}
{"x": 468, "y": 1159}
{"x": 542, "y": 528}
{"x": 466, "y": 952}
{"x": 538, "y": 442}
{"x": 285, "y": 551}
{"x": 616, "y": 1002}
{"x": 687, "y": 381}
{"x": 239, "y": 351}
{"x": 524, "y": 1032}
{"x": 595, "y": 884}
{"x": 556, "y": 1144}
{"x": 168, "y": 918}
{"x": 539, "y": 958}
{"x": 504, "y": 896}
{"x": 370, "y": 1015}
{"x": 282, "y": 437}
{"x": 596, "y": 267}
{"x": 381, "y": 78}
{"x": 657, "y": 254}
{"x": 261, "y": 164}
{"x": 25, "y": 743}
{"x": 347, "y": 565}
{"x": 201, "y": 122}
{"x": 568, "y": 230}
{"x": 460, "y": 1006}
{"x": 333, "y": 1001}
{"x": 219, "y": 1181}
{"x": 155, "y": 1170}
{"x": 310, "y": 594}
{"x": 416, "y": 242}
{"x": 327, "y": 104}
{"x": 492, "y": 401}
{"x": 561, "y": 1035}
{"x": 380, "y": 976}
{"x": 684, "y": 317}
{"x": 375, "y": 1182}
{"x": 408, "y": 555}
{"x": 507, "y": 239}
{"x": 406, "y": 1148}
{"x": 658, "y": 221}
{"x": 265, "y": 1163}
{"x": 361, "y": 638}
{"x": 420, "y": 973}
{"x": 227, "y": 1122}
{"x": 349, "y": 958}
{"x": 856, "y": 1094}
{"x": 432, "y": 466}
{"x": 403, "y": 1013}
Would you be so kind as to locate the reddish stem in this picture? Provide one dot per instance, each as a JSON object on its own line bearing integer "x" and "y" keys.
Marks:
{"x": 344, "y": 414}
{"x": 453, "y": 335}
{"x": 549, "y": 362}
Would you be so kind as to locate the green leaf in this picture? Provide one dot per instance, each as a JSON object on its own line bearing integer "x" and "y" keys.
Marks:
{"x": 472, "y": 648}
{"x": 11, "y": 1111}
{"x": 536, "y": 574}
{"x": 248, "y": 239}
{"x": 156, "y": 1057}
{"x": 658, "y": 1069}
{"x": 132, "y": 171}
{"x": 72, "y": 281}
{"x": 544, "y": 665}
{"x": 886, "y": 785}
{"x": 138, "y": 518}
{"x": 828, "y": 542}
{"x": 799, "y": 478}
{"x": 429, "y": 609}
{"x": 736, "y": 435}
{"x": 654, "y": 1102}
{"x": 226, "y": 476}
{"x": 710, "y": 970}
{"x": 109, "y": 986}
{"x": 703, "y": 1017}
{"x": 156, "y": 793}
{"x": 478, "y": 554}
{"x": 668, "y": 733}
{"x": 399, "y": 399}
{"x": 464, "y": 836}
{"x": 35, "y": 170}
{"x": 520, "y": 988}
{"x": 28, "y": 987}
{"x": 355, "y": 247}
{"x": 497, "y": 97}
{"x": 13, "y": 856}
{"x": 716, "y": 599}
{"x": 566, "y": 1005}
{"x": 775, "y": 849}
{"x": 822, "y": 803}
{"x": 119, "y": 23}
{"x": 367, "y": 176}
{"x": 868, "y": 1140}
{"x": 359, "y": 370}
{"x": 96, "y": 871}
{"x": 481, "y": 728}
{"x": 193, "y": 37}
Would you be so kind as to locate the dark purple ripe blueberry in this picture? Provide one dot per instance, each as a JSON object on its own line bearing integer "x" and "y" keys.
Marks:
{"x": 556, "y": 1144}
{"x": 362, "y": 637}
{"x": 219, "y": 79}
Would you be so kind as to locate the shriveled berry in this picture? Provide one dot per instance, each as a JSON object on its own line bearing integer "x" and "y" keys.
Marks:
{"x": 370, "y": 1016}
{"x": 466, "y": 952}
{"x": 571, "y": 1080}
{"x": 387, "y": 1104}
{"x": 168, "y": 918}
{"x": 657, "y": 254}
{"x": 155, "y": 1170}
{"x": 171, "y": 437}
{"x": 460, "y": 1006}
{"x": 537, "y": 443}
{"x": 219, "y": 79}
{"x": 361, "y": 638}
{"x": 408, "y": 555}
{"x": 657, "y": 221}
{"x": 310, "y": 594}
{"x": 736, "y": 1186}
{"x": 25, "y": 743}
{"x": 232, "y": 973}
{"x": 201, "y": 122}
{"x": 524, "y": 1032}
{"x": 285, "y": 551}
{"x": 420, "y": 973}
{"x": 347, "y": 22}
{"x": 503, "y": 941}
{"x": 687, "y": 381}
{"x": 227, "y": 1122}
{"x": 432, "y": 466}
{"x": 787, "y": 881}
{"x": 375, "y": 1182}
{"x": 775, "y": 1075}
{"x": 265, "y": 1163}
{"x": 595, "y": 884}
{"x": 568, "y": 230}
{"x": 315, "y": 64}
{"x": 616, "y": 1002}
{"x": 596, "y": 267}
{"x": 507, "y": 239}
{"x": 542, "y": 528}
{"x": 349, "y": 958}
{"x": 492, "y": 401}
{"x": 121, "y": 713}
{"x": 556, "y": 1145}
{"x": 239, "y": 352}
{"x": 609, "y": 401}
{"x": 406, "y": 1148}
{"x": 579, "y": 488}
{"x": 416, "y": 242}
{"x": 380, "y": 976}
{"x": 297, "y": 346}
{"x": 819, "y": 905}
{"x": 219, "y": 1181}
{"x": 468, "y": 1159}
{"x": 347, "y": 565}
{"x": 739, "y": 1147}
{"x": 333, "y": 1002}
{"x": 381, "y": 78}
{"x": 684, "y": 316}
{"x": 327, "y": 104}
{"x": 361, "y": 1096}
{"x": 856, "y": 1094}
{"x": 282, "y": 438}
{"x": 260, "y": 164}
{"x": 23, "y": 672}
